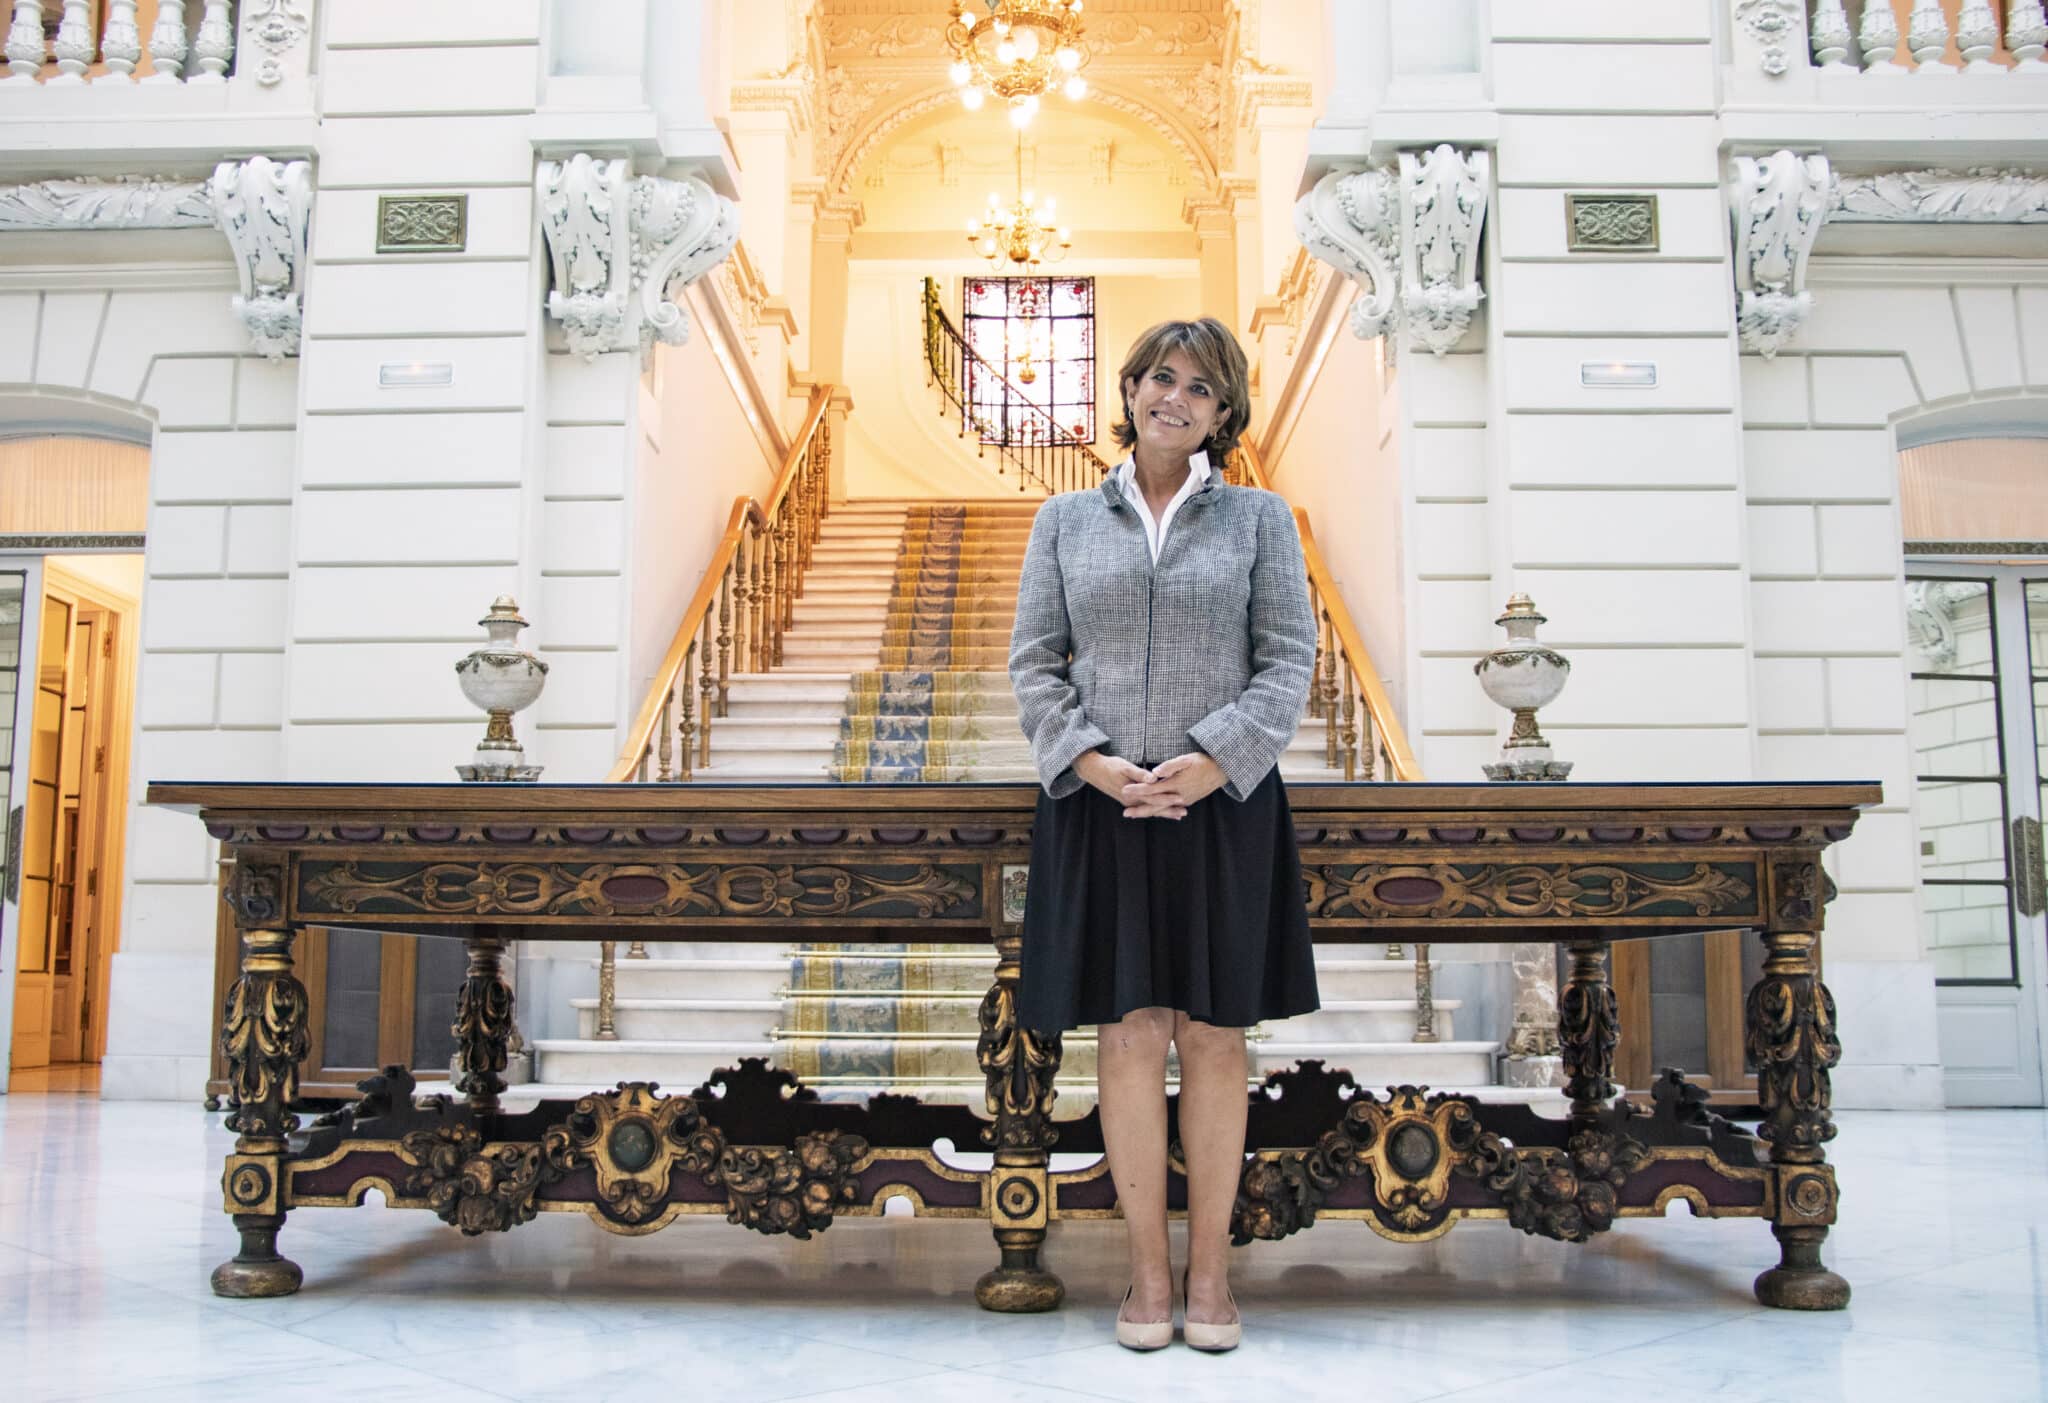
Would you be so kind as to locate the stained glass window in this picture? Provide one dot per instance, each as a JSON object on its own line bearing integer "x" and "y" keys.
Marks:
{"x": 1037, "y": 339}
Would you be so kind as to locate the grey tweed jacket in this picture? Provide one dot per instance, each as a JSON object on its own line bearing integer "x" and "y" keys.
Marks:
{"x": 1210, "y": 649}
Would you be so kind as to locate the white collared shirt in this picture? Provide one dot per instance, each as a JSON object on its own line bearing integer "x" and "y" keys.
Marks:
{"x": 1126, "y": 476}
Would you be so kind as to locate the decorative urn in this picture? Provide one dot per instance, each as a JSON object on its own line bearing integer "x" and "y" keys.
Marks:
{"x": 1523, "y": 676}
{"x": 501, "y": 678}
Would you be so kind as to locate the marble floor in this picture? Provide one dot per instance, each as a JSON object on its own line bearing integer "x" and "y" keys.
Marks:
{"x": 109, "y": 1225}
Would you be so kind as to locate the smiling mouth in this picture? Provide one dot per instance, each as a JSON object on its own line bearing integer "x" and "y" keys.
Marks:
{"x": 1169, "y": 420}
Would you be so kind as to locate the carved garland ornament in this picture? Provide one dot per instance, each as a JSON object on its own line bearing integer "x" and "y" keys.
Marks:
{"x": 1409, "y": 1146}
{"x": 1409, "y": 237}
{"x": 1777, "y": 204}
{"x": 1523, "y": 890}
{"x": 1020, "y": 1065}
{"x": 623, "y": 248}
{"x": 264, "y": 1037}
{"x": 1983, "y": 196}
{"x": 632, "y": 1140}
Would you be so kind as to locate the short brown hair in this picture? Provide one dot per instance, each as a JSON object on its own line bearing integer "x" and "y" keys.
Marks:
{"x": 1221, "y": 361}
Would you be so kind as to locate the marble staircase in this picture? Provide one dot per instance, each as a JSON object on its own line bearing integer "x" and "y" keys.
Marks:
{"x": 896, "y": 668}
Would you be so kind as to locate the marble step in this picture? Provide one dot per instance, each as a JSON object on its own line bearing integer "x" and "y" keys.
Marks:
{"x": 1341, "y": 1020}
{"x": 1378, "y": 1065}
{"x": 749, "y": 977}
{"x": 642, "y": 1019}
{"x": 678, "y": 1066}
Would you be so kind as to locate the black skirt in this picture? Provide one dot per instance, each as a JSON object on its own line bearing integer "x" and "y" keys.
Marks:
{"x": 1203, "y": 914}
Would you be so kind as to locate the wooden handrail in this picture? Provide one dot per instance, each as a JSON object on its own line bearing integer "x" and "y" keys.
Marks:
{"x": 1379, "y": 707}
{"x": 750, "y": 519}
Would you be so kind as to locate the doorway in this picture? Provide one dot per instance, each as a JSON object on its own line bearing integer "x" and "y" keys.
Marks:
{"x": 1978, "y": 636}
{"x": 71, "y": 622}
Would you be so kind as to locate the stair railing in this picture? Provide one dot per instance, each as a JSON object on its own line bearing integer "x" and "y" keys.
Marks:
{"x": 744, "y": 604}
{"x": 1345, "y": 689}
{"x": 1050, "y": 456}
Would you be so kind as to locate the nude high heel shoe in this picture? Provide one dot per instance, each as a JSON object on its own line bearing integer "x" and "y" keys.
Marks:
{"x": 1142, "y": 1335}
{"x": 1214, "y": 1339}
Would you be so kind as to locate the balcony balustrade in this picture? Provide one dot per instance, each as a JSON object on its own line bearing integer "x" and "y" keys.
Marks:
{"x": 157, "y": 42}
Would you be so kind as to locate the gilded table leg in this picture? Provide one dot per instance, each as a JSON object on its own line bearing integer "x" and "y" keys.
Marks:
{"x": 1588, "y": 1028}
{"x": 1792, "y": 1043}
{"x": 1020, "y": 1065}
{"x": 483, "y": 1024}
{"x": 263, "y": 1034}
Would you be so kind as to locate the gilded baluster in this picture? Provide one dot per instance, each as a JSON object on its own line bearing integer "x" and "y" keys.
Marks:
{"x": 263, "y": 1038}
{"x": 1588, "y": 1027}
{"x": 636, "y": 949}
{"x": 664, "y": 749}
{"x": 1369, "y": 747}
{"x": 707, "y": 693}
{"x": 778, "y": 539}
{"x": 1790, "y": 1038}
{"x": 483, "y": 1024}
{"x": 1326, "y": 690}
{"x": 607, "y": 991}
{"x": 1350, "y": 731}
{"x": 725, "y": 589}
{"x": 792, "y": 584}
{"x": 688, "y": 726}
{"x": 1425, "y": 996}
{"x": 1019, "y": 1065}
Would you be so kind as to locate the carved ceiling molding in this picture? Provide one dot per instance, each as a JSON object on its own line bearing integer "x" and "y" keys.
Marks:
{"x": 795, "y": 95}
{"x": 1983, "y": 196}
{"x": 129, "y": 202}
{"x": 1776, "y": 206}
{"x": 622, "y": 249}
{"x": 1409, "y": 236}
{"x": 262, "y": 207}
{"x": 855, "y": 153}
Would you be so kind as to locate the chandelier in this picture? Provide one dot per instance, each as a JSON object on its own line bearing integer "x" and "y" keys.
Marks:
{"x": 1023, "y": 233}
{"x": 1016, "y": 51}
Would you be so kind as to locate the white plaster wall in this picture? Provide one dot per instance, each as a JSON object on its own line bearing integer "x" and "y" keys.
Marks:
{"x": 1889, "y": 339}
{"x": 162, "y": 341}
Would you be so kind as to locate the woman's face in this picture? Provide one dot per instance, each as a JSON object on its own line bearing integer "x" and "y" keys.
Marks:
{"x": 1174, "y": 408}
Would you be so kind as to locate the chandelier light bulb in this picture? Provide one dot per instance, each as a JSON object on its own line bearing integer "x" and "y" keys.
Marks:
{"x": 1066, "y": 238}
{"x": 973, "y": 228}
{"x": 988, "y": 248}
{"x": 960, "y": 73}
{"x": 971, "y": 98}
{"x": 1002, "y": 25}
{"x": 1029, "y": 199}
{"x": 1020, "y": 115}
{"x": 1006, "y": 52}
{"x": 1068, "y": 58}
{"x": 1027, "y": 44}
{"x": 1077, "y": 88}
{"x": 967, "y": 19}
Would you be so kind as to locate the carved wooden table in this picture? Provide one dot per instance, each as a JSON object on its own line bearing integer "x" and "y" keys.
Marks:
{"x": 1578, "y": 864}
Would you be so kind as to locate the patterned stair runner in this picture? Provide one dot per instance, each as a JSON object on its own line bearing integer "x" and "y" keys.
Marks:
{"x": 857, "y": 1018}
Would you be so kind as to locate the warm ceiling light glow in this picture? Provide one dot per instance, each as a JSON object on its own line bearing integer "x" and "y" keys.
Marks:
{"x": 1023, "y": 233}
{"x": 1024, "y": 50}
{"x": 971, "y": 98}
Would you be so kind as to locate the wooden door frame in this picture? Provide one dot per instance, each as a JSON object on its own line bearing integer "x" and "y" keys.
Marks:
{"x": 116, "y": 723}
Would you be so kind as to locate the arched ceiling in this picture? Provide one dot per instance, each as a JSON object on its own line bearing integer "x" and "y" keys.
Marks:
{"x": 1156, "y": 69}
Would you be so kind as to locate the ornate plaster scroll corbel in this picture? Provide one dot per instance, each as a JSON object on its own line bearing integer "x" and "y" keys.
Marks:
{"x": 1409, "y": 237}
{"x": 622, "y": 248}
{"x": 1777, "y": 204}
{"x": 1348, "y": 222}
{"x": 1443, "y": 208}
{"x": 263, "y": 207}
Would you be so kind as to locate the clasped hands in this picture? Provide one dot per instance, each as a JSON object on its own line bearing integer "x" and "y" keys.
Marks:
{"x": 1164, "y": 791}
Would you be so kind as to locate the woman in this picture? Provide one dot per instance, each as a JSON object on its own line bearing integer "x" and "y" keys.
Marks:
{"x": 1164, "y": 901}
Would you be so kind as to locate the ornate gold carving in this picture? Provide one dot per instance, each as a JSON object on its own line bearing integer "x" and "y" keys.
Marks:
{"x": 1588, "y": 1027}
{"x": 1020, "y": 1065}
{"x": 483, "y": 1024}
{"x": 652, "y": 889}
{"x": 792, "y": 1191}
{"x": 1532, "y": 890}
{"x": 252, "y": 1184}
{"x": 632, "y": 1139}
{"x": 255, "y": 889}
{"x": 476, "y": 1187}
{"x": 1790, "y": 1038}
{"x": 1568, "y": 1195}
{"x": 263, "y": 1037}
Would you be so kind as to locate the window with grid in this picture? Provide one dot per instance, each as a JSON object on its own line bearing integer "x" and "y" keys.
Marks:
{"x": 1037, "y": 336}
